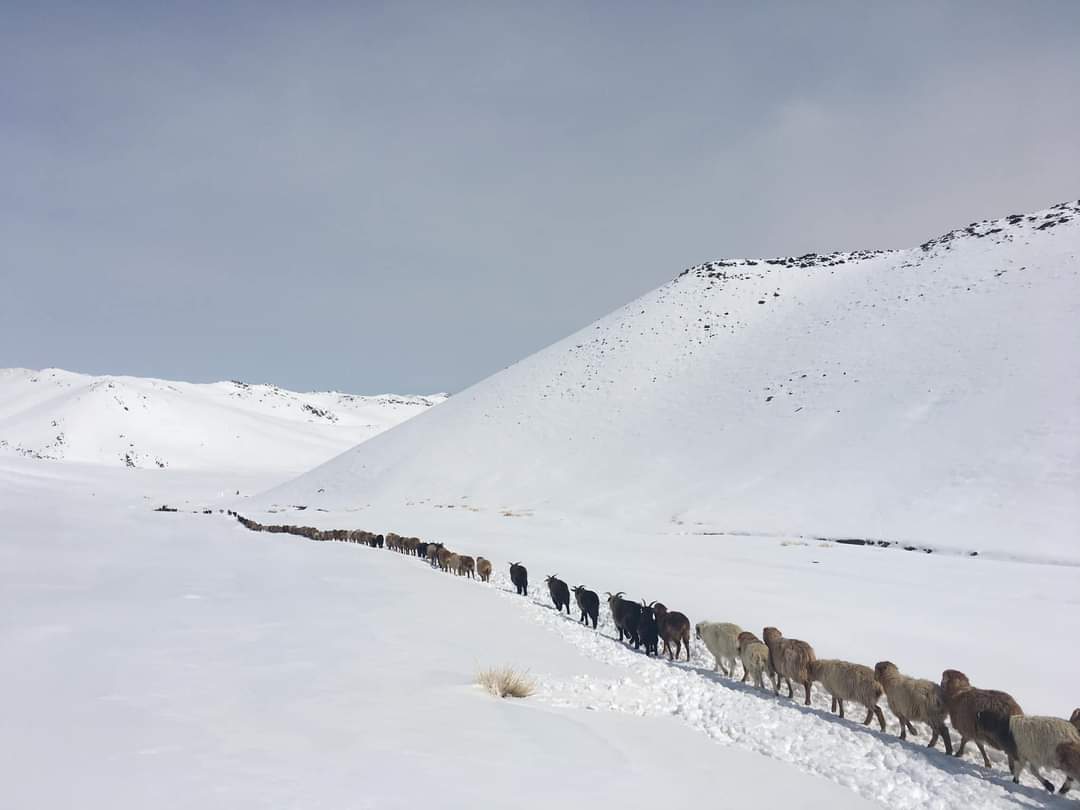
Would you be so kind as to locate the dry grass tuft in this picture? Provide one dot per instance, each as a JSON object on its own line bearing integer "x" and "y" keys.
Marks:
{"x": 505, "y": 681}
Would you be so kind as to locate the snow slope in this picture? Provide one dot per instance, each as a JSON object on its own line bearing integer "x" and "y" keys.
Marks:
{"x": 928, "y": 396}
{"x": 175, "y": 660}
{"x": 136, "y": 422}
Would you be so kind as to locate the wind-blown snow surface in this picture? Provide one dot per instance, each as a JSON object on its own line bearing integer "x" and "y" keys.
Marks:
{"x": 137, "y": 422}
{"x": 928, "y": 396}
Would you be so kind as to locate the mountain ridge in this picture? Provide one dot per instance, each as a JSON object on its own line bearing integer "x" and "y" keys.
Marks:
{"x": 53, "y": 414}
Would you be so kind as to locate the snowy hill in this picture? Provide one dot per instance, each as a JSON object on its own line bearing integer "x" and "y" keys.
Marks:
{"x": 928, "y": 396}
{"x": 148, "y": 423}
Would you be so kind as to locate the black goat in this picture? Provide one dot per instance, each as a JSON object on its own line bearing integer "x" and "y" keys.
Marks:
{"x": 648, "y": 633}
{"x": 626, "y": 615}
{"x": 560, "y": 593}
{"x": 588, "y": 603}
{"x": 520, "y": 577}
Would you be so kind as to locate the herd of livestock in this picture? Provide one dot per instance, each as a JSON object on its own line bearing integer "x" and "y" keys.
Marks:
{"x": 983, "y": 716}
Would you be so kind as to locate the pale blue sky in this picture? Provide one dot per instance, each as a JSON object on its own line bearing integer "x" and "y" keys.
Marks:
{"x": 408, "y": 197}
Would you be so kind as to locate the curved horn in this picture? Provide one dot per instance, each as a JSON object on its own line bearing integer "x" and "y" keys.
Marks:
{"x": 650, "y": 603}
{"x": 620, "y": 593}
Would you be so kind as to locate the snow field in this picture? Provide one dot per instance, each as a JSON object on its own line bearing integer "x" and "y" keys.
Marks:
{"x": 176, "y": 660}
{"x": 877, "y": 766}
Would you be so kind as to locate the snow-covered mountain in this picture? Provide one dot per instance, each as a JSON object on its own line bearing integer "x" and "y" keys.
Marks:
{"x": 927, "y": 396}
{"x": 224, "y": 426}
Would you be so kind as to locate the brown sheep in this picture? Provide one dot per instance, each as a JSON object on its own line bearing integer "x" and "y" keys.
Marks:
{"x": 981, "y": 715}
{"x": 467, "y": 566}
{"x": 789, "y": 659}
{"x": 483, "y": 569}
{"x": 453, "y": 564}
{"x": 443, "y": 557}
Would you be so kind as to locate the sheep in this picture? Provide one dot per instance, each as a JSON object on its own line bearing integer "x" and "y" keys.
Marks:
{"x": 648, "y": 632}
{"x": 1046, "y": 742}
{"x": 789, "y": 659}
{"x": 588, "y": 603}
{"x": 467, "y": 566}
{"x": 754, "y": 656}
{"x": 626, "y": 615}
{"x": 674, "y": 629}
{"x": 453, "y": 564}
{"x": 520, "y": 577}
{"x": 393, "y": 541}
{"x": 433, "y": 553}
{"x": 1075, "y": 718}
{"x": 443, "y": 556}
{"x": 483, "y": 569}
{"x": 914, "y": 699}
{"x": 560, "y": 593}
{"x": 844, "y": 680}
{"x": 722, "y": 640}
{"x": 981, "y": 715}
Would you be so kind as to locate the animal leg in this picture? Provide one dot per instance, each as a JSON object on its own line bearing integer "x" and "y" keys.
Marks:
{"x": 914, "y": 731}
{"x": 903, "y": 728}
{"x": 880, "y": 717}
{"x": 982, "y": 751}
{"x": 790, "y": 691}
{"x": 832, "y": 706}
{"x": 963, "y": 744}
{"x": 947, "y": 737}
{"x": 1066, "y": 785}
{"x": 806, "y": 686}
{"x": 1046, "y": 783}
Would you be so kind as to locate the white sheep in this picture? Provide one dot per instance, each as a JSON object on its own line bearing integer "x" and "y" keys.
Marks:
{"x": 722, "y": 640}
{"x": 844, "y": 680}
{"x": 914, "y": 699}
{"x": 755, "y": 658}
{"x": 1045, "y": 742}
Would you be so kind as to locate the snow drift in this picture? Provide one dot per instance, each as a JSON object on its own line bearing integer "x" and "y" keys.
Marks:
{"x": 56, "y": 414}
{"x": 927, "y": 396}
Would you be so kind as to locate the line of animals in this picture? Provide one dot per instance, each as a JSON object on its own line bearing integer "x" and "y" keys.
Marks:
{"x": 983, "y": 716}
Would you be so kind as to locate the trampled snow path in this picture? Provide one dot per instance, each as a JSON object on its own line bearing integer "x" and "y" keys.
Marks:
{"x": 877, "y": 766}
